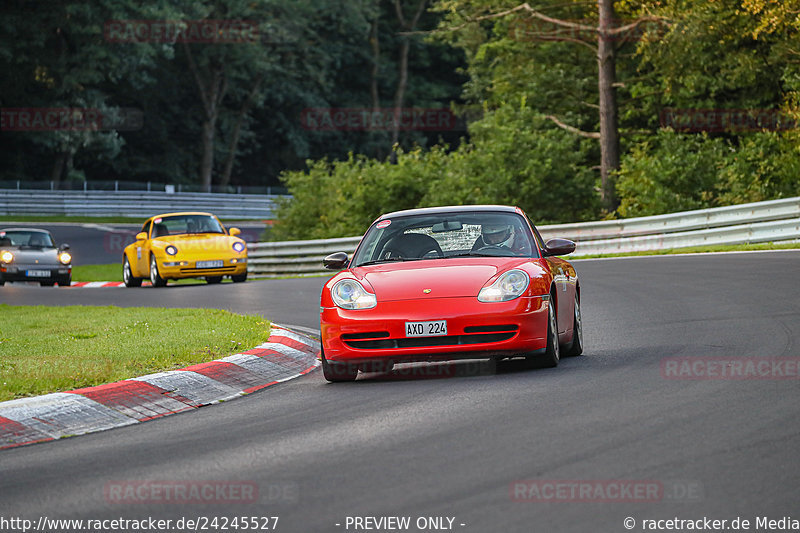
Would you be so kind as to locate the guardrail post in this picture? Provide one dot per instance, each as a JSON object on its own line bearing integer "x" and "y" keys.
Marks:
{"x": 116, "y": 185}
{"x": 84, "y": 186}
{"x": 148, "y": 186}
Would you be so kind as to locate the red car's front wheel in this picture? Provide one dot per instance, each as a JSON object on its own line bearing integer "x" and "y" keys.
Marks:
{"x": 338, "y": 371}
{"x": 552, "y": 353}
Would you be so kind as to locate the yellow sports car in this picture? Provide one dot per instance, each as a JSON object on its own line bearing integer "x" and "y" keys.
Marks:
{"x": 184, "y": 245}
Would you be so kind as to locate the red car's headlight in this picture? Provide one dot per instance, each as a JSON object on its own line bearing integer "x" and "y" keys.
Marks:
{"x": 508, "y": 286}
{"x": 350, "y": 294}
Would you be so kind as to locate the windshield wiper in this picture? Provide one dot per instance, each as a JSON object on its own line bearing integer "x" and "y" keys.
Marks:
{"x": 471, "y": 254}
{"x": 387, "y": 260}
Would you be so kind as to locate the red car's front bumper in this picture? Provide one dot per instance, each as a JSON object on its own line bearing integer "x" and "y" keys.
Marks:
{"x": 474, "y": 330}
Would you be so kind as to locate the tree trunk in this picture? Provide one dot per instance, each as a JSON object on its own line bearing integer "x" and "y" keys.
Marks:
{"x": 237, "y": 131}
{"x": 377, "y": 137}
{"x": 609, "y": 132}
{"x": 207, "y": 161}
{"x": 211, "y": 95}
{"x": 375, "y": 44}
{"x": 399, "y": 95}
{"x": 58, "y": 169}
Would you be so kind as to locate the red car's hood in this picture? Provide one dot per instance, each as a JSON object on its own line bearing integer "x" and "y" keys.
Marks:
{"x": 446, "y": 278}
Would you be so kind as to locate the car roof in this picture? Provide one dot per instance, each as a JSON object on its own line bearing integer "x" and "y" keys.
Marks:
{"x": 181, "y": 213}
{"x": 452, "y": 209}
{"x": 26, "y": 229}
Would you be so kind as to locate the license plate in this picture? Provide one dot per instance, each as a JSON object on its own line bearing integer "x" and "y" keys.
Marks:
{"x": 433, "y": 328}
{"x": 209, "y": 264}
{"x": 38, "y": 273}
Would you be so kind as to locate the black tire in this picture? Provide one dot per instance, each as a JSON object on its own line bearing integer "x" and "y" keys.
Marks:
{"x": 66, "y": 281}
{"x": 127, "y": 275}
{"x": 576, "y": 346}
{"x": 552, "y": 353}
{"x": 155, "y": 278}
{"x": 238, "y": 278}
{"x": 47, "y": 283}
{"x": 213, "y": 280}
{"x": 338, "y": 372}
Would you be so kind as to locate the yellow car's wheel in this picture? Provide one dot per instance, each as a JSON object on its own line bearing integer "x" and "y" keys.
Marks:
{"x": 213, "y": 279}
{"x": 155, "y": 278}
{"x": 127, "y": 275}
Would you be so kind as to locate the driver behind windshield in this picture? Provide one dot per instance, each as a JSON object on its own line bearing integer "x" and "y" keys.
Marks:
{"x": 500, "y": 235}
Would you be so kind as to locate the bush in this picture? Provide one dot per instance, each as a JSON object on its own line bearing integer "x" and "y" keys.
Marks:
{"x": 679, "y": 172}
{"x": 516, "y": 157}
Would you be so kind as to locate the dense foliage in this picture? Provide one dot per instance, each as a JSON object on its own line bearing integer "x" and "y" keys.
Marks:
{"x": 526, "y": 89}
{"x": 248, "y": 95}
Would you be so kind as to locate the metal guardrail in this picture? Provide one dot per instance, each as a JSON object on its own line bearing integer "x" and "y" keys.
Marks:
{"x": 141, "y": 186}
{"x": 295, "y": 257}
{"x": 772, "y": 221}
{"x": 134, "y": 204}
{"x": 717, "y": 217}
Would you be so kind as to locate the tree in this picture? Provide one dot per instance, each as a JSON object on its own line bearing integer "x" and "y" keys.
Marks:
{"x": 58, "y": 59}
{"x": 607, "y": 33}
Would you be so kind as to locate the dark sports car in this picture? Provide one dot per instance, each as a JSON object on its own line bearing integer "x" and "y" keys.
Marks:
{"x": 28, "y": 254}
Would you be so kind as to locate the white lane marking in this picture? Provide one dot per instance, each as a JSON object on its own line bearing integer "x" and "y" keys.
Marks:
{"x": 100, "y": 227}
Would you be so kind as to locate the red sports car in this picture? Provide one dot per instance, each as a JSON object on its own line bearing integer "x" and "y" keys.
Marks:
{"x": 445, "y": 283}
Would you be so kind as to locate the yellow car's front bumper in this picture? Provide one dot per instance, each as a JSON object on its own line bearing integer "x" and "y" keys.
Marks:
{"x": 179, "y": 269}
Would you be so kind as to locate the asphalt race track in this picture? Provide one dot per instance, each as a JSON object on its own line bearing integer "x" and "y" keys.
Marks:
{"x": 458, "y": 440}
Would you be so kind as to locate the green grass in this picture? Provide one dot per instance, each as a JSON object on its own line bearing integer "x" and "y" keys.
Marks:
{"x": 112, "y": 272}
{"x": 701, "y": 249}
{"x": 49, "y": 349}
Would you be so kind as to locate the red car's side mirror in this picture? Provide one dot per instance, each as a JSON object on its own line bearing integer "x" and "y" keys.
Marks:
{"x": 335, "y": 261}
{"x": 558, "y": 247}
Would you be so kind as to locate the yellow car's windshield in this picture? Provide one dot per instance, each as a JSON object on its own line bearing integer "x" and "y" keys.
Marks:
{"x": 185, "y": 224}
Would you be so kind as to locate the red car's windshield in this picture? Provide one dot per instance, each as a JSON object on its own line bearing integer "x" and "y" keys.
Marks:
{"x": 444, "y": 235}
